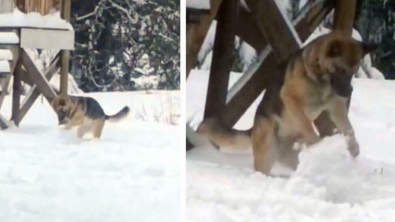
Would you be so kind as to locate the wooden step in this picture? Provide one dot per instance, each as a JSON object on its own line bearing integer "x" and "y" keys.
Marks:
{"x": 6, "y": 54}
{"x": 5, "y": 68}
{"x": 9, "y": 38}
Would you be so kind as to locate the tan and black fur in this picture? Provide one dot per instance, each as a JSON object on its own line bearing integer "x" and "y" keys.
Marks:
{"x": 317, "y": 78}
{"x": 84, "y": 113}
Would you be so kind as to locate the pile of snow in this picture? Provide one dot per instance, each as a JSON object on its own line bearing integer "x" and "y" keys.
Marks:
{"x": 33, "y": 20}
{"x": 198, "y": 4}
{"x": 48, "y": 174}
{"x": 328, "y": 184}
{"x": 8, "y": 37}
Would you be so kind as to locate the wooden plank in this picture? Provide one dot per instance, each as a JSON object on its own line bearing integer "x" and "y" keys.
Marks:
{"x": 257, "y": 82}
{"x": 64, "y": 71}
{"x": 36, "y": 76}
{"x": 64, "y": 54}
{"x": 47, "y": 39}
{"x": 196, "y": 34}
{"x": 222, "y": 57}
{"x": 276, "y": 27}
{"x": 35, "y": 92}
{"x": 66, "y": 10}
{"x": 344, "y": 16}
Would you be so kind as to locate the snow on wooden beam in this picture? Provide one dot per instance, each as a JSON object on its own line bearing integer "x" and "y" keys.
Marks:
{"x": 8, "y": 38}
{"x": 276, "y": 27}
{"x": 47, "y": 39}
{"x": 223, "y": 57}
{"x": 18, "y": 19}
{"x": 196, "y": 33}
{"x": 4, "y": 66}
{"x": 5, "y": 54}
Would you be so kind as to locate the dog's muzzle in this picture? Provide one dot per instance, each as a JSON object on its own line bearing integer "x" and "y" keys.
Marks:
{"x": 341, "y": 83}
{"x": 62, "y": 117}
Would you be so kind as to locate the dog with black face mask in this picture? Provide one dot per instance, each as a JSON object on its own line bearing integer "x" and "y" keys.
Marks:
{"x": 317, "y": 78}
{"x": 84, "y": 113}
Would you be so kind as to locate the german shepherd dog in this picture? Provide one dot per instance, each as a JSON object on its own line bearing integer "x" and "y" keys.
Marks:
{"x": 84, "y": 112}
{"x": 317, "y": 78}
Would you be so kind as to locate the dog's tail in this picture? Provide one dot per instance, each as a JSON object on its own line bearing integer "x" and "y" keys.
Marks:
{"x": 119, "y": 116}
{"x": 228, "y": 140}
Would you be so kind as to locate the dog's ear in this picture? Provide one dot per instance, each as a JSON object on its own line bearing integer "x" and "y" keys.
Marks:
{"x": 334, "y": 49}
{"x": 368, "y": 47}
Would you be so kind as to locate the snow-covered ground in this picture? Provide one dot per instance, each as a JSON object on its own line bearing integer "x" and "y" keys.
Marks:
{"x": 47, "y": 174}
{"x": 327, "y": 186}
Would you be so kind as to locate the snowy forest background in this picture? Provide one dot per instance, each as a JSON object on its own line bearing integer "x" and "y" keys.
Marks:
{"x": 126, "y": 45}
{"x": 375, "y": 22}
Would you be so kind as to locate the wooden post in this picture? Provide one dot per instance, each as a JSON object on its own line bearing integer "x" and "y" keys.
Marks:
{"x": 344, "y": 16}
{"x": 196, "y": 34}
{"x": 222, "y": 57}
{"x": 16, "y": 88}
{"x": 65, "y": 54}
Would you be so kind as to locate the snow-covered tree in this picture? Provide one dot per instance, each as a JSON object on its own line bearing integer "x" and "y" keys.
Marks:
{"x": 113, "y": 36}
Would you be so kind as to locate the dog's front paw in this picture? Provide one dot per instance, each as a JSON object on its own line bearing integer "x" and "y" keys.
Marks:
{"x": 353, "y": 147}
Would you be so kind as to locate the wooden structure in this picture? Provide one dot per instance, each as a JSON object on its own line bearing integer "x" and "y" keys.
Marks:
{"x": 274, "y": 37}
{"x": 25, "y": 35}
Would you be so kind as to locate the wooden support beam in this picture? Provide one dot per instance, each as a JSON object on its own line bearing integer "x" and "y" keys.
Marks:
{"x": 36, "y": 76}
{"x": 223, "y": 57}
{"x": 35, "y": 91}
{"x": 65, "y": 54}
{"x": 344, "y": 16}
{"x": 305, "y": 24}
{"x": 196, "y": 33}
{"x": 276, "y": 27}
{"x": 247, "y": 29}
{"x": 16, "y": 89}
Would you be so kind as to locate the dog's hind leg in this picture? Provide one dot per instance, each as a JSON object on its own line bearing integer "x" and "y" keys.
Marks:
{"x": 264, "y": 143}
{"x": 97, "y": 127}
